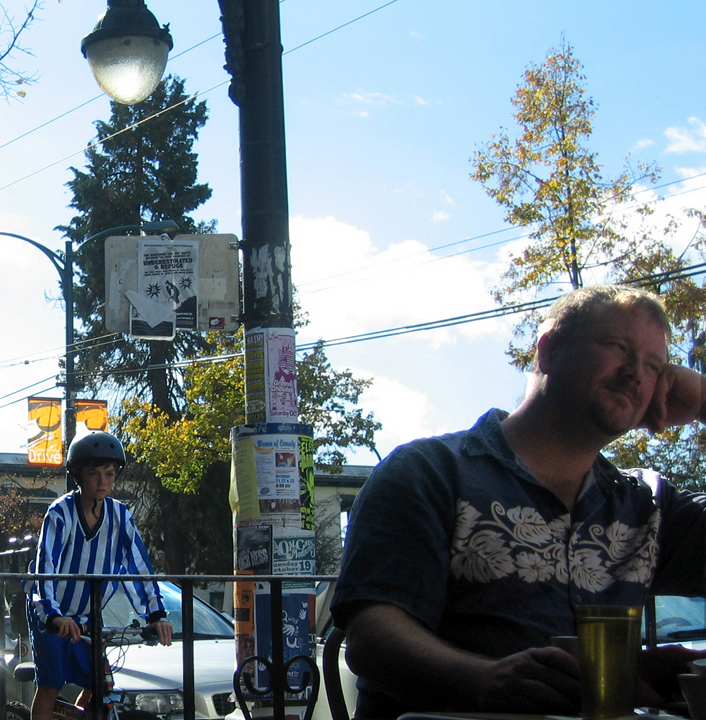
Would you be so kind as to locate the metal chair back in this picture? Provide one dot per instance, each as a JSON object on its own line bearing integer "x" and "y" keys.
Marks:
{"x": 332, "y": 675}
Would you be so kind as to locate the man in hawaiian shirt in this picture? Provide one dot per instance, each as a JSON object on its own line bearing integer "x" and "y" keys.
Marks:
{"x": 466, "y": 553}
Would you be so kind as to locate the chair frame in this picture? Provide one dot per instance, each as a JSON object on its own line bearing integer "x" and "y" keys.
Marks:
{"x": 332, "y": 675}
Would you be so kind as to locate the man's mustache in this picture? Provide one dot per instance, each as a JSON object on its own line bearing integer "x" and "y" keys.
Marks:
{"x": 626, "y": 386}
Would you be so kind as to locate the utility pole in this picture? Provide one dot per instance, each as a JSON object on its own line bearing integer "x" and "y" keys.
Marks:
{"x": 254, "y": 59}
{"x": 272, "y": 436}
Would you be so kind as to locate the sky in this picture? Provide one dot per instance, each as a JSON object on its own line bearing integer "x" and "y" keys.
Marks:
{"x": 385, "y": 102}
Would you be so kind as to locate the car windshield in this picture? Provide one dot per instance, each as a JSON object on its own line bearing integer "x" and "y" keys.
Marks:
{"x": 679, "y": 619}
{"x": 208, "y": 622}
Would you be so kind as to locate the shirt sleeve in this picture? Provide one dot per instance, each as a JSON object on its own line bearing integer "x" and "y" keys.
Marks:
{"x": 398, "y": 541}
{"x": 42, "y": 594}
{"x": 682, "y": 557}
{"x": 144, "y": 596}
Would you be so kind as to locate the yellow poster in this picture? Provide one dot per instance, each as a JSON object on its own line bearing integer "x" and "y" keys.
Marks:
{"x": 91, "y": 415}
{"x": 243, "y": 481}
{"x": 44, "y": 445}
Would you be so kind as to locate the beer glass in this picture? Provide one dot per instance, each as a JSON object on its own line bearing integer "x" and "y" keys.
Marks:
{"x": 609, "y": 643}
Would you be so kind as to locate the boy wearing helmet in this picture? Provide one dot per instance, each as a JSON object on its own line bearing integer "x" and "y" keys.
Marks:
{"x": 84, "y": 532}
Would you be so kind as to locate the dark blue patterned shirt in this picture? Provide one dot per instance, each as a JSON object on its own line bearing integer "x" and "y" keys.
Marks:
{"x": 458, "y": 532}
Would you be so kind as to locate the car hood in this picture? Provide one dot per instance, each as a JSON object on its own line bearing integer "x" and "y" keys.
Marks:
{"x": 161, "y": 668}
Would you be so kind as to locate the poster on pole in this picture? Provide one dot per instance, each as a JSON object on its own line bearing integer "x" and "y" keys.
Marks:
{"x": 270, "y": 369}
{"x": 167, "y": 288}
{"x": 91, "y": 416}
{"x": 266, "y": 471}
{"x": 44, "y": 446}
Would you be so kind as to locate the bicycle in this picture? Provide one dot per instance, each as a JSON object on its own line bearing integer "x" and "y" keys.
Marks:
{"x": 115, "y": 704}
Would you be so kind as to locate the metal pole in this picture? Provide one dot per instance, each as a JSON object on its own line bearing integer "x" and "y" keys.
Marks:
{"x": 187, "y": 629}
{"x": 254, "y": 59}
{"x": 70, "y": 389}
{"x": 97, "y": 665}
{"x": 278, "y": 678}
{"x": 4, "y": 669}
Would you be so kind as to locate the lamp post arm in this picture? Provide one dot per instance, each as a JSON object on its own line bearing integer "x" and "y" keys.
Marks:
{"x": 109, "y": 231}
{"x": 56, "y": 260}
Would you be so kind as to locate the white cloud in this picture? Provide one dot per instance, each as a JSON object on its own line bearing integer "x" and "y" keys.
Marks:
{"x": 349, "y": 286}
{"x": 641, "y": 144}
{"x": 440, "y": 216}
{"x": 419, "y": 100}
{"x": 448, "y": 198}
{"x": 402, "y": 411}
{"x": 692, "y": 139}
{"x": 372, "y": 98}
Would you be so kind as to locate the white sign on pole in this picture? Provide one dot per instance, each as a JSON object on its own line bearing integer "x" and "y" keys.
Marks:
{"x": 156, "y": 286}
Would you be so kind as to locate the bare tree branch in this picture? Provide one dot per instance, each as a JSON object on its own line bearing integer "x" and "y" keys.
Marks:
{"x": 10, "y": 34}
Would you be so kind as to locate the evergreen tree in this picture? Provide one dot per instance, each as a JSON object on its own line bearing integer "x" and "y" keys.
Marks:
{"x": 141, "y": 167}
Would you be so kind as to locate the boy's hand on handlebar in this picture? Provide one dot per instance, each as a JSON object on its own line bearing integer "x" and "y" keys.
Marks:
{"x": 66, "y": 627}
{"x": 163, "y": 630}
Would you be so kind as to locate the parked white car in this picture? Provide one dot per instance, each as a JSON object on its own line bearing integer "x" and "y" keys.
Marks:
{"x": 152, "y": 676}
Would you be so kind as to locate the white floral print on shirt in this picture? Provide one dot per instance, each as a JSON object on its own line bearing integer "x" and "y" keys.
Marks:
{"x": 518, "y": 541}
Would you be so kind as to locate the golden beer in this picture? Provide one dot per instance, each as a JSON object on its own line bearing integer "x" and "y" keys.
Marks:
{"x": 609, "y": 643}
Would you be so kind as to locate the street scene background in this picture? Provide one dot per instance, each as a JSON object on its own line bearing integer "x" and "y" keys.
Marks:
{"x": 385, "y": 102}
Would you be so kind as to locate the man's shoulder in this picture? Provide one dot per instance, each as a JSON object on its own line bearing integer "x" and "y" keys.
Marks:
{"x": 644, "y": 479}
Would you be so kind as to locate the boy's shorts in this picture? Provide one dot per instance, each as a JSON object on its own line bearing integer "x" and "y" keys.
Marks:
{"x": 58, "y": 661}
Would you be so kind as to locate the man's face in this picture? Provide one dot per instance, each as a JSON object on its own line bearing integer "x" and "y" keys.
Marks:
{"x": 608, "y": 371}
{"x": 97, "y": 482}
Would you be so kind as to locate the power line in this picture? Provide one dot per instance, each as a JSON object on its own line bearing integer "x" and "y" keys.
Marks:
{"x": 340, "y": 27}
{"x": 494, "y": 313}
{"x": 215, "y": 87}
{"x": 22, "y": 399}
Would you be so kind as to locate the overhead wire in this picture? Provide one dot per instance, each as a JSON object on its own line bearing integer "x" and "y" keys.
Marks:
{"x": 195, "y": 95}
{"x": 493, "y": 313}
{"x": 22, "y": 399}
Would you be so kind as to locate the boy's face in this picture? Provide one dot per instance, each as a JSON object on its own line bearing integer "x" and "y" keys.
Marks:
{"x": 97, "y": 482}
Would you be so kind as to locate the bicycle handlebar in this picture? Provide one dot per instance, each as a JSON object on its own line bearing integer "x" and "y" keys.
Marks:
{"x": 146, "y": 632}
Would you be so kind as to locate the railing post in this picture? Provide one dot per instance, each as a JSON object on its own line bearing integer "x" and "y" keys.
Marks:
{"x": 4, "y": 669}
{"x": 278, "y": 681}
{"x": 187, "y": 628}
{"x": 96, "y": 632}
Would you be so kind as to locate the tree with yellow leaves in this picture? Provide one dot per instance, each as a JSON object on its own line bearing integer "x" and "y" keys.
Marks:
{"x": 549, "y": 181}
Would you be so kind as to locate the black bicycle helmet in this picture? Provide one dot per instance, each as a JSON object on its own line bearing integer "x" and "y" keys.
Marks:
{"x": 94, "y": 446}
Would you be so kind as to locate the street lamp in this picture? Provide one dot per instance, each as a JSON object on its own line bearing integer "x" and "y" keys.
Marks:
{"x": 65, "y": 267}
{"x": 127, "y": 51}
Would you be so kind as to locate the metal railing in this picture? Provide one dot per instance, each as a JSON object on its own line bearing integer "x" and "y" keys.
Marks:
{"x": 278, "y": 666}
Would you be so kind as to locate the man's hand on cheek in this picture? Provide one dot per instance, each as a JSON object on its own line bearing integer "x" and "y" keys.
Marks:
{"x": 656, "y": 415}
{"x": 678, "y": 399}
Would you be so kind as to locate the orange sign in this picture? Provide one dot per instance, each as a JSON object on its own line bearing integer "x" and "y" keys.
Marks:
{"x": 92, "y": 414}
{"x": 44, "y": 445}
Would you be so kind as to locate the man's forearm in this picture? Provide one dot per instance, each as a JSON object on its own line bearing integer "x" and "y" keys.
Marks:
{"x": 398, "y": 655}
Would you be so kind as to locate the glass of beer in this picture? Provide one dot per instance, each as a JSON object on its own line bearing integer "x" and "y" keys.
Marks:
{"x": 609, "y": 643}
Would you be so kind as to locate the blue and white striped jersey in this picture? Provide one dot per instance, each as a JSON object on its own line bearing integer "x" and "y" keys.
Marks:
{"x": 67, "y": 546}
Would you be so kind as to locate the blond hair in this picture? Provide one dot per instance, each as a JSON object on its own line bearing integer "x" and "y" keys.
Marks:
{"x": 570, "y": 312}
